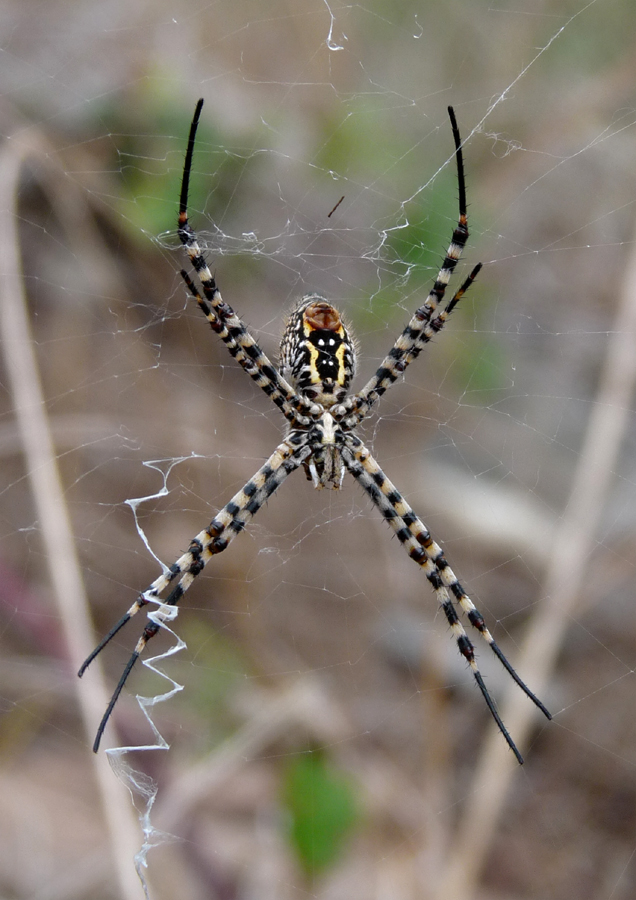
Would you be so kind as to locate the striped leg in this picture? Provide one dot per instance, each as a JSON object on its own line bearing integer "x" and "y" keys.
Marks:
{"x": 418, "y": 543}
{"x": 435, "y": 325}
{"x": 404, "y": 350}
{"x": 426, "y": 335}
{"x": 223, "y": 528}
{"x": 232, "y": 331}
{"x": 246, "y": 351}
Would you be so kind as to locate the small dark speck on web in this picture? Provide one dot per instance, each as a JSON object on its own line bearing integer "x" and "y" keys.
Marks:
{"x": 336, "y": 207}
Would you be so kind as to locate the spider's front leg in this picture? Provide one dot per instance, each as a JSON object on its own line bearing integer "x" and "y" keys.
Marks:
{"x": 418, "y": 543}
{"x": 223, "y": 528}
{"x": 222, "y": 318}
{"x": 424, "y": 323}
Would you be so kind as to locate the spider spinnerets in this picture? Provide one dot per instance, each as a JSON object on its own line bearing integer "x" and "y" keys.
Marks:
{"x": 316, "y": 366}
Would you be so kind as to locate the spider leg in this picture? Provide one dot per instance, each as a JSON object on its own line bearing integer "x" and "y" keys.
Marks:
{"x": 435, "y": 325}
{"x": 428, "y": 333}
{"x": 418, "y": 543}
{"x": 223, "y": 528}
{"x": 248, "y": 354}
{"x": 221, "y": 316}
{"x": 404, "y": 349}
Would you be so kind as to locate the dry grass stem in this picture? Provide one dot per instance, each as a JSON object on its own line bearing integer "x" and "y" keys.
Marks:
{"x": 52, "y": 513}
{"x": 571, "y": 548}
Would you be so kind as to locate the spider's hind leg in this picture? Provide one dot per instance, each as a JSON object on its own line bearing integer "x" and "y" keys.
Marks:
{"x": 450, "y": 581}
{"x": 418, "y": 543}
{"x": 150, "y": 630}
{"x": 137, "y": 605}
{"x": 226, "y": 525}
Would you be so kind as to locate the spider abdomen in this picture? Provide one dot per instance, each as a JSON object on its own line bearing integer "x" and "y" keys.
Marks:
{"x": 317, "y": 353}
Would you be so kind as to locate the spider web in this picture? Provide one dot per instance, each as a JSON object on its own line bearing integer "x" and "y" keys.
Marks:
{"x": 324, "y": 162}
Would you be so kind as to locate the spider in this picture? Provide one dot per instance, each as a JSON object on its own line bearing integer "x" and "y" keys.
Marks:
{"x": 317, "y": 362}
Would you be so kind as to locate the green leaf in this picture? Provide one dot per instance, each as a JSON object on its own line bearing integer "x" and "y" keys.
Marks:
{"x": 322, "y": 808}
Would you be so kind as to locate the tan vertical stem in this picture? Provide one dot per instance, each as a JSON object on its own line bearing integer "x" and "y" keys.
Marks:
{"x": 573, "y": 544}
{"x": 52, "y": 513}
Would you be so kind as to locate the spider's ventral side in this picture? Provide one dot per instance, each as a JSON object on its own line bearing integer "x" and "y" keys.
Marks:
{"x": 311, "y": 388}
{"x": 318, "y": 357}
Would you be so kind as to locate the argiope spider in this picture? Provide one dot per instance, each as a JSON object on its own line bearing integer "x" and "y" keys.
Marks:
{"x": 317, "y": 363}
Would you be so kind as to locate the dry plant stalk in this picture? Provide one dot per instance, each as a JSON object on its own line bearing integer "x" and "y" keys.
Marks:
{"x": 572, "y": 545}
{"x": 48, "y": 496}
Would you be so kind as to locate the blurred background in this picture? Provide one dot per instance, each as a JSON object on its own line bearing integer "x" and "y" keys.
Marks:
{"x": 329, "y": 741}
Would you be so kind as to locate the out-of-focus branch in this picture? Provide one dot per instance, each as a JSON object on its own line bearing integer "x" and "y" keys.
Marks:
{"x": 571, "y": 547}
{"x": 48, "y": 496}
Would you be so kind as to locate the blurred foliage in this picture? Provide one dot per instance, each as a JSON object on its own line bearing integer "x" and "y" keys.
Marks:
{"x": 218, "y": 664}
{"x": 211, "y": 666}
{"x": 421, "y": 243}
{"x": 354, "y": 141}
{"x": 322, "y": 808}
{"x": 148, "y": 155}
{"x": 480, "y": 367}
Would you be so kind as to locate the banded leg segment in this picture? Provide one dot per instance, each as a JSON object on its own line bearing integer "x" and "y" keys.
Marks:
{"x": 418, "y": 543}
{"x": 427, "y": 334}
{"x": 222, "y": 530}
{"x": 231, "y": 329}
{"x": 413, "y": 336}
{"x": 248, "y": 354}
{"x": 435, "y": 325}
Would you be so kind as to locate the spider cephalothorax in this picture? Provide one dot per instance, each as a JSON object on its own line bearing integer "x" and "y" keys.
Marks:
{"x": 317, "y": 363}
